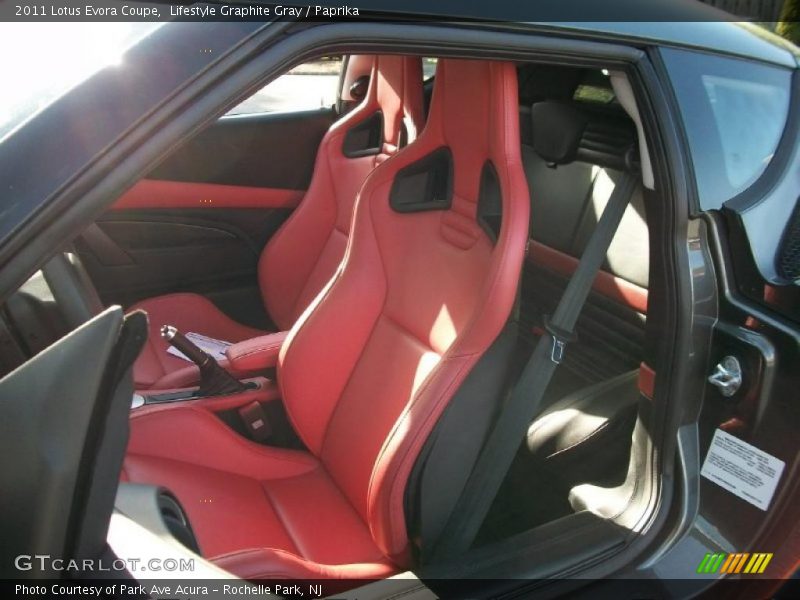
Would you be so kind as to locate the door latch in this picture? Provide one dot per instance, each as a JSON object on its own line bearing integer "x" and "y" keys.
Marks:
{"x": 727, "y": 376}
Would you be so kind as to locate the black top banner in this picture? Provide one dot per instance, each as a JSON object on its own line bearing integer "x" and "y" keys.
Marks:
{"x": 328, "y": 10}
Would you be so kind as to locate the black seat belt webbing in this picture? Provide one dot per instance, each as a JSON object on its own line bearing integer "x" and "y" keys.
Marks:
{"x": 524, "y": 402}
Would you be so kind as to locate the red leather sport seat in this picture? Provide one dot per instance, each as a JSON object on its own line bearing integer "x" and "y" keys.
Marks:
{"x": 369, "y": 369}
{"x": 304, "y": 254}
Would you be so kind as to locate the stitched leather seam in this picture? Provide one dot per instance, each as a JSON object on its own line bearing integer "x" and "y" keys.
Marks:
{"x": 374, "y": 323}
{"x": 580, "y": 441}
{"x": 281, "y": 518}
{"x": 406, "y": 331}
{"x": 256, "y": 351}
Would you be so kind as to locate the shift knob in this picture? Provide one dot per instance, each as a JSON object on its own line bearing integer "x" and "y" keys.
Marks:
{"x": 189, "y": 349}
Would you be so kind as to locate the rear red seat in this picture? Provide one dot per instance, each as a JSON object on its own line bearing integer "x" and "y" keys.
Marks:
{"x": 369, "y": 369}
{"x": 305, "y": 253}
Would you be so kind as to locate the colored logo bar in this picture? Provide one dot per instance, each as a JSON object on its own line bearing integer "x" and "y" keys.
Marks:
{"x": 740, "y": 562}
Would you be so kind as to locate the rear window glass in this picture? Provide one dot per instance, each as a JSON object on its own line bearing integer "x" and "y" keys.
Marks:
{"x": 734, "y": 112}
{"x": 594, "y": 93}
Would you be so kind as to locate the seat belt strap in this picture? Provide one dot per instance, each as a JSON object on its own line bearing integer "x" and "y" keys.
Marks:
{"x": 524, "y": 401}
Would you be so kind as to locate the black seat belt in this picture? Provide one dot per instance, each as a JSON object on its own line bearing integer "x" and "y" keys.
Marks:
{"x": 524, "y": 401}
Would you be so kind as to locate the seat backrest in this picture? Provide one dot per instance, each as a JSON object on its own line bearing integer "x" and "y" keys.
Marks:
{"x": 305, "y": 253}
{"x": 575, "y": 157}
{"x": 423, "y": 291}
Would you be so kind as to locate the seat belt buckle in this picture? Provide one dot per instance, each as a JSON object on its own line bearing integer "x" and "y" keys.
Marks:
{"x": 559, "y": 339}
{"x": 557, "y": 349}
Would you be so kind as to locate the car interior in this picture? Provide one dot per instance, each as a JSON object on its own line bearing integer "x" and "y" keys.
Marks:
{"x": 370, "y": 279}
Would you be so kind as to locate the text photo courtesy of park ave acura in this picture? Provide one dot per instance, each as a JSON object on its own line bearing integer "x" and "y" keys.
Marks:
{"x": 384, "y": 299}
{"x": 160, "y": 590}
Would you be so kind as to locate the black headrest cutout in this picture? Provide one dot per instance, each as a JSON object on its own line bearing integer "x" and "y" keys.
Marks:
{"x": 426, "y": 184}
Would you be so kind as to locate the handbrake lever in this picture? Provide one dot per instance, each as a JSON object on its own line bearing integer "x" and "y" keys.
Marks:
{"x": 214, "y": 380}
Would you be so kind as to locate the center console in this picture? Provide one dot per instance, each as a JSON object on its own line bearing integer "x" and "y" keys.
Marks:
{"x": 240, "y": 395}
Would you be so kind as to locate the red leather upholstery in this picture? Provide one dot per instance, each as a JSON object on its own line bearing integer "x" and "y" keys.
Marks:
{"x": 305, "y": 253}
{"x": 422, "y": 296}
{"x": 242, "y": 496}
{"x": 315, "y": 236}
{"x": 270, "y": 563}
{"x": 255, "y": 354}
{"x": 369, "y": 367}
{"x": 155, "y": 193}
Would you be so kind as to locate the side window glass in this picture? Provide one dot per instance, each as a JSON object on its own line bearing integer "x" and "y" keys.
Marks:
{"x": 307, "y": 86}
{"x": 746, "y": 110}
{"x": 734, "y": 112}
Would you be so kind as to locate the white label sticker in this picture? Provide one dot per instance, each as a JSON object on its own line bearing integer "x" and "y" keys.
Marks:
{"x": 742, "y": 469}
{"x": 215, "y": 348}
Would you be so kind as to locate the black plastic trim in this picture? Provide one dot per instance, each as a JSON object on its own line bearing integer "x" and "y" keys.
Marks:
{"x": 490, "y": 202}
{"x": 424, "y": 185}
{"x": 364, "y": 138}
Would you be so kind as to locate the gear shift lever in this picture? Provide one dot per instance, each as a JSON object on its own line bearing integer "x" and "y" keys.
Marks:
{"x": 214, "y": 380}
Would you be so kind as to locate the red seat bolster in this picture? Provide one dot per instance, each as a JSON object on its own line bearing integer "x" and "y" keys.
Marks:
{"x": 273, "y": 563}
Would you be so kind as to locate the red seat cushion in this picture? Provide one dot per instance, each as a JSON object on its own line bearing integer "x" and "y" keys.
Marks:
{"x": 279, "y": 505}
{"x": 156, "y": 368}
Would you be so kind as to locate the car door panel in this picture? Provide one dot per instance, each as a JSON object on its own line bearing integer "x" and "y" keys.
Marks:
{"x": 157, "y": 194}
{"x": 65, "y": 418}
{"x": 136, "y": 254}
{"x": 198, "y": 222}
